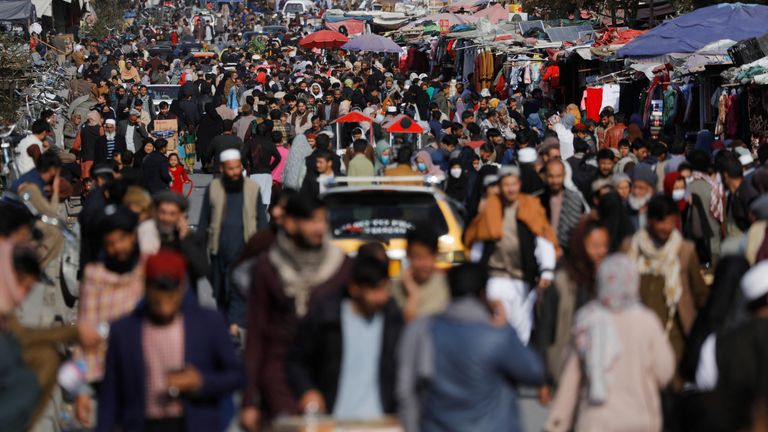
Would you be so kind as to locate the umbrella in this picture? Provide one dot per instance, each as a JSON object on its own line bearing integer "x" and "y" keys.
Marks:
{"x": 324, "y": 39}
{"x": 372, "y": 43}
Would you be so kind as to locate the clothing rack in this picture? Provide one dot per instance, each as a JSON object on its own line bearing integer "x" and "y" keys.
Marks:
{"x": 611, "y": 78}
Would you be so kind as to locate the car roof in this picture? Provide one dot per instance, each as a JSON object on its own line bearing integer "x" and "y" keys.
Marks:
{"x": 384, "y": 188}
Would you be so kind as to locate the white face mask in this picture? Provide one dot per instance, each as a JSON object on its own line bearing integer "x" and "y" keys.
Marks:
{"x": 455, "y": 172}
{"x": 678, "y": 194}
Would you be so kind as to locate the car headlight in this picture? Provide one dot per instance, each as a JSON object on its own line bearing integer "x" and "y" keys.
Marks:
{"x": 447, "y": 239}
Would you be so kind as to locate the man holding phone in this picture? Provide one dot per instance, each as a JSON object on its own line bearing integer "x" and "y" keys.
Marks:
{"x": 170, "y": 229}
{"x": 169, "y": 363}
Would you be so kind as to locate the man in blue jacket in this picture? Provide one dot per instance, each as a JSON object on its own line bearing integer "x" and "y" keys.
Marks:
{"x": 171, "y": 362}
{"x": 458, "y": 370}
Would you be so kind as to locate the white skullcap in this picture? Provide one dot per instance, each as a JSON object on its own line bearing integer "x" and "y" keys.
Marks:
{"x": 110, "y": 121}
{"x": 229, "y": 155}
{"x": 754, "y": 284}
{"x": 509, "y": 170}
{"x": 490, "y": 179}
{"x": 527, "y": 155}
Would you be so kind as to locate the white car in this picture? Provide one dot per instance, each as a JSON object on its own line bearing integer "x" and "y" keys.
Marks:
{"x": 163, "y": 93}
{"x": 292, "y": 8}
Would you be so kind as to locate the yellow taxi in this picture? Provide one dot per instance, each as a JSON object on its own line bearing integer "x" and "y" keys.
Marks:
{"x": 383, "y": 212}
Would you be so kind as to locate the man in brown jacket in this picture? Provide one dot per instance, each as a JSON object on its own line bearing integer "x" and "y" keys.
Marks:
{"x": 300, "y": 268}
{"x": 512, "y": 235}
{"x": 670, "y": 277}
{"x": 403, "y": 167}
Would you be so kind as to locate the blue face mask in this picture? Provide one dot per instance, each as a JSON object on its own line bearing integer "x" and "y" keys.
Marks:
{"x": 385, "y": 160}
{"x": 421, "y": 166}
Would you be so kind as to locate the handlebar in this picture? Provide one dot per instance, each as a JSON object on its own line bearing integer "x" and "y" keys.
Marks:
{"x": 56, "y": 222}
{"x": 8, "y": 131}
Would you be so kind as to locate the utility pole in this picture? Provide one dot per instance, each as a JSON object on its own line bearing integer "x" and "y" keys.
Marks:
{"x": 652, "y": 20}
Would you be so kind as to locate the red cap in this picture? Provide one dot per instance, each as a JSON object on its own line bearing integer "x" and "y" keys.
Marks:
{"x": 166, "y": 264}
{"x": 580, "y": 127}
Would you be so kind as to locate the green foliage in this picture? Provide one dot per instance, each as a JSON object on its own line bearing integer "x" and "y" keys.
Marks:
{"x": 110, "y": 20}
{"x": 14, "y": 65}
{"x": 256, "y": 45}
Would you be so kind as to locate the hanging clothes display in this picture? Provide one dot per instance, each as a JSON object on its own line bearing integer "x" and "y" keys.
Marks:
{"x": 732, "y": 116}
{"x": 593, "y": 103}
{"x": 469, "y": 58}
{"x": 535, "y": 71}
{"x": 670, "y": 106}
{"x": 611, "y": 96}
{"x": 758, "y": 116}
{"x": 551, "y": 77}
{"x": 722, "y": 111}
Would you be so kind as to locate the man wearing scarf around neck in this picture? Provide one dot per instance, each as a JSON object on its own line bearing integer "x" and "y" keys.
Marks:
{"x": 670, "y": 276}
{"x": 300, "y": 268}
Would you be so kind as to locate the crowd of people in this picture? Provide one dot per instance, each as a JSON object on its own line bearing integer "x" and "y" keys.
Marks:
{"x": 617, "y": 272}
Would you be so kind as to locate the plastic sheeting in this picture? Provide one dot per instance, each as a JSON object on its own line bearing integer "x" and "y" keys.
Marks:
{"x": 692, "y": 31}
{"x": 12, "y": 10}
{"x": 354, "y": 27}
{"x": 43, "y": 7}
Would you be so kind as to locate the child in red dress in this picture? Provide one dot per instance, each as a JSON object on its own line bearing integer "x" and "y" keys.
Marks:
{"x": 178, "y": 173}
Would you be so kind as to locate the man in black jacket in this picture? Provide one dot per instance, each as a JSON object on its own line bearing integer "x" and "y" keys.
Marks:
{"x": 170, "y": 230}
{"x": 343, "y": 361}
{"x": 109, "y": 144}
{"x": 155, "y": 168}
{"x": 132, "y": 131}
{"x": 323, "y": 144}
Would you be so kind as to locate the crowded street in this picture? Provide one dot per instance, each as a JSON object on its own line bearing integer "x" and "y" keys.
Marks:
{"x": 326, "y": 215}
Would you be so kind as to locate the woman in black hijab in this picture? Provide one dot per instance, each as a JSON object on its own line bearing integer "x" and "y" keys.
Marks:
{"x": 210, "y": 125}
{"x": 458, "y": 180}
{"x": 612, "y": 213}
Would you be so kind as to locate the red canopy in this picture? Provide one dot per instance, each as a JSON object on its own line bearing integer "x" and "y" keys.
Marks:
{"x": 400, "y": 124}
{"x": 324, "y": 39}
{"x": 354, "y": 117}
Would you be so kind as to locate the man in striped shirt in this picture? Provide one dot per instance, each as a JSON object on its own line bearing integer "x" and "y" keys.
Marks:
{"x": 110, "y": 144}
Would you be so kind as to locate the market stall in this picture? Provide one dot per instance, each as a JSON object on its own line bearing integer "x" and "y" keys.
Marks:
{"x": 352, "y": 117}
{"x": 404, "y": 124}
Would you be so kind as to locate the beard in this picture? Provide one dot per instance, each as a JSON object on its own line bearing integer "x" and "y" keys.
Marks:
{"x": 302, "y": 243}
{"x": 233, "y": 185}
{"x": 168, "y": 234}
{"x": 119, "y": 266}
{"x": 638, "y": 203}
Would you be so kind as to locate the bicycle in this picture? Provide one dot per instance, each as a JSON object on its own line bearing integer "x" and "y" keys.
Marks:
{"x": 8, "y": 172}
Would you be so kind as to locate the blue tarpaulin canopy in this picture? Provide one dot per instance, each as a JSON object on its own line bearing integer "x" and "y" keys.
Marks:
{"x": 692, "y": 31}
{"x": 17, "y": 10}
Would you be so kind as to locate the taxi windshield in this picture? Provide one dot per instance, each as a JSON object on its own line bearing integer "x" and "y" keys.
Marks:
{"x": 382, "y": 214}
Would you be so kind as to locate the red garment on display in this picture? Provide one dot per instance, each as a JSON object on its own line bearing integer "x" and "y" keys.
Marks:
{"x": 593, "y": 102}
{"x": 552, "y": 75}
